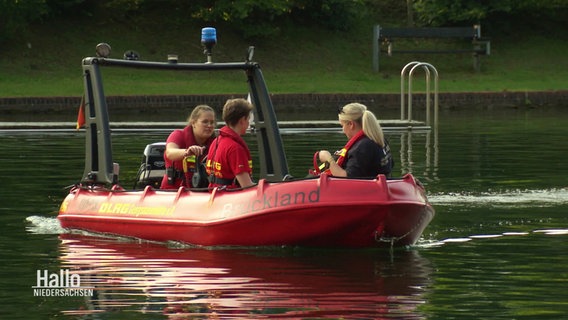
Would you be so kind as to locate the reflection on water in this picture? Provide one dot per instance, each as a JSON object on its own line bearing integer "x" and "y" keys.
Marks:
{"x": 495, "y": 250}
{"x": 419, "y": 147}
{"x": 279, "y": 283}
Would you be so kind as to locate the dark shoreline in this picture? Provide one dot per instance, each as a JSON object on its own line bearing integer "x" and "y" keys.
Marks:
{"x": 173, "y": 107}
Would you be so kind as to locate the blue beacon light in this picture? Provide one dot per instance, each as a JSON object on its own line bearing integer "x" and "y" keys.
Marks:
{"x": 208, "y": 40}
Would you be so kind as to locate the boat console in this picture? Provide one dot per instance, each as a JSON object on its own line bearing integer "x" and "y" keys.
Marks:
{"x": 153, "y": 166}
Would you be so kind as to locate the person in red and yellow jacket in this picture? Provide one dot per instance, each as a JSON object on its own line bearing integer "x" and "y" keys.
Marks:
{"x": 185, "y": 148}
{"x": 229, "y": 162}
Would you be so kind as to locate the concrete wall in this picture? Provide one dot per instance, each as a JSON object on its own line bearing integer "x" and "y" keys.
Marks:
{"x": 171, "y": 108}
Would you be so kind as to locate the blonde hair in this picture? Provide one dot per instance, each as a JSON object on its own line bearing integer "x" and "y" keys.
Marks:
{"x": 197, "y": 111}
{"x": 358, "y": 113}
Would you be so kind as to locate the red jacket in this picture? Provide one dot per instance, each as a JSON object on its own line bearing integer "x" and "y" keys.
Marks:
{"x": 228, "y": 156}
{"x": 184, "y": 139}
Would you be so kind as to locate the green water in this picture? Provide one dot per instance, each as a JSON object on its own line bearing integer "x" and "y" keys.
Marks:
{"x": 495, "y": 250}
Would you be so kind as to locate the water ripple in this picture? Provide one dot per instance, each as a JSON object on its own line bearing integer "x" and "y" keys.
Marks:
{"x": 516, "y": 198}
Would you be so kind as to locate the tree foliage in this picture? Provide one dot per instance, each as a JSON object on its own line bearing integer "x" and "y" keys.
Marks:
{"x": 447, "y": 12}
{"x": 253, "y": 18}
{"x": 250, "y": 17}
{"x": 16, "y": 16}
{"x": 265, "y": 18}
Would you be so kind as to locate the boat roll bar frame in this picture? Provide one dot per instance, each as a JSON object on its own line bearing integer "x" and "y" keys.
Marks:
{"x": 99, "y": 166}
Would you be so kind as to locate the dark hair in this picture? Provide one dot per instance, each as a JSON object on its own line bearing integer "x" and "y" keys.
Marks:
{"x": 235, "y": 109}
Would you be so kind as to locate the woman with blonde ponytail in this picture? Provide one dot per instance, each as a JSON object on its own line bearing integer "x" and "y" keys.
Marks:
{"x": 367, "y": 153}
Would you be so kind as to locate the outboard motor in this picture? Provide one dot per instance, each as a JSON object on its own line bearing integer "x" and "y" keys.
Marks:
{"x": 153, "y": 167}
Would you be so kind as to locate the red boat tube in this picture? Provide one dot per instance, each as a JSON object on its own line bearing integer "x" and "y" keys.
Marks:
{"x": 324, "y": 211}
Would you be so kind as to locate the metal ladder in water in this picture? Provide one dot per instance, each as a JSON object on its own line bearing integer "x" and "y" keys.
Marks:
{"x": 406, "y": 138}
{"x": 410, "y": 69}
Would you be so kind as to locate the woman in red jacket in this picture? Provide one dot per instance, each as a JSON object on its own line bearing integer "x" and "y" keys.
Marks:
{"x": 185, "y": 148}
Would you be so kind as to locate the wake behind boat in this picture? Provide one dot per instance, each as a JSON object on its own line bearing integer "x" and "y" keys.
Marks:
{"x": 279, "y": 210}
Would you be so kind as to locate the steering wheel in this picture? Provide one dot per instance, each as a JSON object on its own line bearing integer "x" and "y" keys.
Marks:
{"x": 319, "y": 168}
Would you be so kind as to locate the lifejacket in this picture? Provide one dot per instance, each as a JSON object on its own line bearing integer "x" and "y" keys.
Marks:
{"x": 214, "y": 167}
{"x": 342, "y": 154}
{"x": 185, "y": 168}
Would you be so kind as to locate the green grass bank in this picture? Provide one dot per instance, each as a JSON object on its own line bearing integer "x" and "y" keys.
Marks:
{"x": 45, "y": 62}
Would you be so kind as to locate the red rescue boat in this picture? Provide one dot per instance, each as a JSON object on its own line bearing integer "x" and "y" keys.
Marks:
{"x": 321, "y": 211}
{"x": 324, "y": 211}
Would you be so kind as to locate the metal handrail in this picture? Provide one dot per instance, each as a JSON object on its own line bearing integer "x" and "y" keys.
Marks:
{"x": 428, "y": 68}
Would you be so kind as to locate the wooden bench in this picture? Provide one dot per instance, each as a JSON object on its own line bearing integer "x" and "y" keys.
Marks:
{"x": 384, "y": 37}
